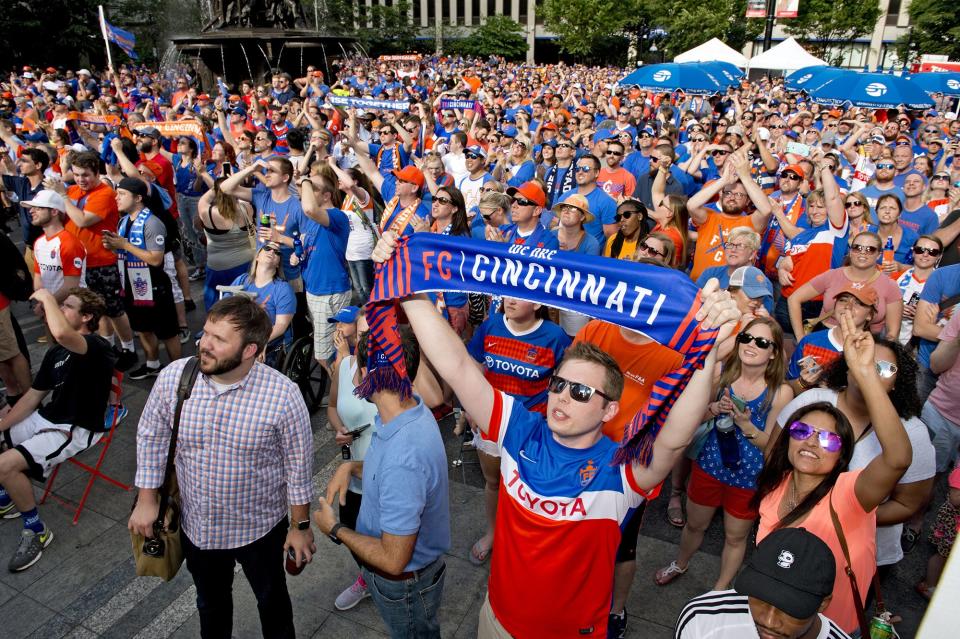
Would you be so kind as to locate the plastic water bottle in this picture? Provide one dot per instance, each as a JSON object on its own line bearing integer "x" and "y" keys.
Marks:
{"x": 727, "y": 440}
{"x": 888, "y": 251}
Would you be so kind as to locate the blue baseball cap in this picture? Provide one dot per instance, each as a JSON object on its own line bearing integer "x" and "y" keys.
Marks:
{"x": 346, "y": 315}
{"x": 752, "y": 282}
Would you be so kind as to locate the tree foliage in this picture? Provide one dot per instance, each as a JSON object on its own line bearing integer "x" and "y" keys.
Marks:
{"x": 936, "y": 29}
{"x": 50, "y": 32}
{"x": 820, "y": 23}
{"x": 499, "y": 35}
{"x": 689, "y": 24}
{"x": 581, "y": 24}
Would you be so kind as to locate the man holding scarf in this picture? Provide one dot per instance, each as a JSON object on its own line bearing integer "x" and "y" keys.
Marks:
{"x": 147, "y": 292}
{"x": 565, "y": 488}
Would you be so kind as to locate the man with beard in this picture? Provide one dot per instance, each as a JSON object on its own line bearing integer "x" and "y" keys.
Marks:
{"x": 664, "y": 155}
{"x": 244, "y": 458}
{"x": 149, "y": 145}
{"x": 715, "y": 220}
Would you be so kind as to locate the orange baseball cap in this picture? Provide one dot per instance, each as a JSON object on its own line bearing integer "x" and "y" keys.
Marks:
{"x": 796, "y": 168}
{"x": 530, "y": 191}
{"x": 410, "y": 174}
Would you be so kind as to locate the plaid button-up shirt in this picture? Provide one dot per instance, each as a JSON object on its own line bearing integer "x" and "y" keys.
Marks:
{"x": 244, "y": 453}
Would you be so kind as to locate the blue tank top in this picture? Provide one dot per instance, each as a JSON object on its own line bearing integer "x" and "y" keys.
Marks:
{"x": 751, "y": 457}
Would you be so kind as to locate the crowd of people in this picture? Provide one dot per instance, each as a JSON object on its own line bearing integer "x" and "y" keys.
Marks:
{"x": 825, "y": 241}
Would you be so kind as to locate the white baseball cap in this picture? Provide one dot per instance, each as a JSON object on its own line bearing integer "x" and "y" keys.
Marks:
{"x": 47, "y": 199}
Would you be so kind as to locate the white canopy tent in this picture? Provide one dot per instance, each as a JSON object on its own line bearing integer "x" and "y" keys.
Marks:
{"x": 712, "y": 50}
{"x": 786, "y": 56}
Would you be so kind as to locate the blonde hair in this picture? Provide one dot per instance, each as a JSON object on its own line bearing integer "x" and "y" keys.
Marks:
{"x": 748, "y": 234}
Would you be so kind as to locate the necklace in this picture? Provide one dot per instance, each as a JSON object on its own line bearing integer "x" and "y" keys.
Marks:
{"x": 792, "y": 498}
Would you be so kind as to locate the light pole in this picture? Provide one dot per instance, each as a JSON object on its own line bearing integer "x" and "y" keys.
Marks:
{"x": 768, "y": 30}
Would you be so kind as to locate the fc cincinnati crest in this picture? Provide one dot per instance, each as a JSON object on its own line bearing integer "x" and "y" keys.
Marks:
{"x": 587, "y": 473}
{"x": 531, "y": 354}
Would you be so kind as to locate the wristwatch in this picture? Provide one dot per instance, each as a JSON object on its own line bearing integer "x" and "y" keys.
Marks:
{"x": 333, "y": 533}
{"x": 303, "y": 525}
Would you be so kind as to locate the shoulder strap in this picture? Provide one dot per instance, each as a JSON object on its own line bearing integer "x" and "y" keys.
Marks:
{"x": 857, "y": 599}
{"x": 184, "y": 388}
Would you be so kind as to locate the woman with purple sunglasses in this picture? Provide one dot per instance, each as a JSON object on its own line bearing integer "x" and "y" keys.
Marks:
{"x": 807, "y": 472}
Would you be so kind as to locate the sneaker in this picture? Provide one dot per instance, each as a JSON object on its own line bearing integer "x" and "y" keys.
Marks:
{"x": 126, "y": 360}
{"x": 184, "y": 334}
{"x": 197, "y": 275}
{"x": 617, "y": 625}
{"x": 9, "y": 511}
{"x": 30, "y": 549}
{"x": 352, "y": 595}
{"x": 121, "y": 412}
{"x": 144, "y": 372}
{"x": 189, "y": 305}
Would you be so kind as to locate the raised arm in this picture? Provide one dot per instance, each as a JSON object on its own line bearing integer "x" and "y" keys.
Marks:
{"x": 60, "y": 328}
{"x": 443, "y": 347}
{"x": 312, "y": 208}
{"x": 699, "y": 200}
{"x": 881, "y": 475}
{"x": 719, "y": 310}
{"x": 233, "y": 185}
{"x": 831, "y": 194}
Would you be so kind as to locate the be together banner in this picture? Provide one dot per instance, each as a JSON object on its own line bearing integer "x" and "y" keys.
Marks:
{"x": 106, "y": 119}
{"x": 368, "y": 103}
{"x": 659, "y": 302}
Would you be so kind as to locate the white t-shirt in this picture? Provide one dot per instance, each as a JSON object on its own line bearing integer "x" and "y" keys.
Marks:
{"x": 59, "y": 256}
{"x": 361, "y": 240}
{"x": 867, "y": 448}
{"x": 455, "y": 165}
{"x": 725, "y": 614}
{"x": 471, "y": 191}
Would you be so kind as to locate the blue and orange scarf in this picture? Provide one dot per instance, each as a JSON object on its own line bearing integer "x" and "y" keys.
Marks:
{"x": 658, "y": 302}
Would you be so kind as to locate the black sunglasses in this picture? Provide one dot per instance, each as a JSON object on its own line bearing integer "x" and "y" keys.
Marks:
{"x": 790, "y": 176}
{"x": 625, "y": 215}
{"x": 616, "y": 153}
{"x": 442, "y": 200}
{"x": 719, "y": 152}
{"x": 578, "y": 392}
{"x": 851, "y": 204}
{"x": 761, "y": 342}
{"x": 932, "y": 252}
{"x": 271, "y": 249}
{"x": 863, "y": 248}
{"x": 643, "y": 246}
{"x": 471, "y": 156}
{"x": 519, "y": 201}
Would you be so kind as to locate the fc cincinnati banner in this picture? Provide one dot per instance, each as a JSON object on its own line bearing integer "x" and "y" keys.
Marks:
{"x": 368, "y": 103}
{"x": 461, "y": 104}
{"x": 658, "y": 302}
{"x": 107, "y": 119}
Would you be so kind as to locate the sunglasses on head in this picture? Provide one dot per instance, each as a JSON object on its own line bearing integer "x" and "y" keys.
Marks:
{"x": 578, "y": 392}
{"x": 864, "y": 248}
{"x": 625, "y": 215}
{"x": 761, "y": 342}
{"x": 830, "y": 442}
{"x": 932, "y": 252}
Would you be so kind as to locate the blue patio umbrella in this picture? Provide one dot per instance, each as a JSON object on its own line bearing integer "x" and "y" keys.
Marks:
{"x": 670, "y": 76}
{"x": 871, "y": 90}
{"x": 809, "y": 77}
{"x": 727, "y": 74}
{"x": 947, "y": 83}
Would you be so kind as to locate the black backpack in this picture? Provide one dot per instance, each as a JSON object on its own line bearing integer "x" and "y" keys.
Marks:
{"x": 16, "y": 282}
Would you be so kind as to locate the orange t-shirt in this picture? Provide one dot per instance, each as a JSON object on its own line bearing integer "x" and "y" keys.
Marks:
{"x": 711, "y": 236}
{"x": 859, "y": 529}
{"x": 679, "y": 255}
{"x": 102, "y": 202}
{"x": 642, "y": 365}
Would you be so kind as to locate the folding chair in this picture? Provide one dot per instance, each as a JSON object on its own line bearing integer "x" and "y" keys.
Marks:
{"x": 116, "y": 390}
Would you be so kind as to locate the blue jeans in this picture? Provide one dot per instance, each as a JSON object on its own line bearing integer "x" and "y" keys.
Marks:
{"x": 409, "y": 608}
{"x": 361, "y": 277}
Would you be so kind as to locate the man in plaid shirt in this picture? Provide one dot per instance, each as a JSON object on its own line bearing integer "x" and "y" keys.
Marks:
{"x": 244, "y": 457}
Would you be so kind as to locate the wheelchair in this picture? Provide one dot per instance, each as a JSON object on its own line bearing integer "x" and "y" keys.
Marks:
{"x": 296, "y": 362}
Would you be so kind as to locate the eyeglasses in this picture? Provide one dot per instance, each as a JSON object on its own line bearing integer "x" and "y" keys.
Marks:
{"x": 615, "y": 153}
{"x": 885, "y": 166}
{"x": 851, "y": 204}
{"x": 646, "y": 248}
{"x": 886, "y": 369}
{"x": 519, "y": 201}
{"x": 472, "y": 156}
{"x": 719, "y": 152}
{"x": 830, "y": 442}
{"x": 729, "y": 193}
{"x": 582, "y": 168}
{"x": 578, "y": 392}
{"x": 790, "y": 176}
{"x": 761, "y": 342}
{"x": 624, "y": 215}
{"x": 487, "y": 189}
{"x": 864, "y": 248}
{"x": 735, "y": 246}
{"x": 932, "y": 252}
